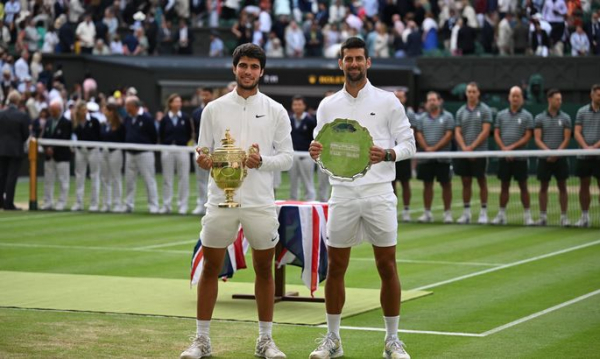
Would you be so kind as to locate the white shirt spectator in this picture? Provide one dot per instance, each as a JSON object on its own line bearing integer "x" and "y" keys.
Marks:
{"x": 295, "y": 41}
{"x": 116, "y": 47}
{"x": 50, "y": 42}
{"x": 282, "y": 7}
{"x": 5, "y": 35}
{"x": 86, "y": 32}
{"x": 217, "y": 47}
{"x": 504, "y": 37}
{"x": 354, "y": 22}
{"x": 265, "y": 21}
{"x": 469, "y": 13}
{"x": 11, "y": 9}
{"x": 337, "y": 12}
{"x": 580, "y": 44}
{"x": 21, "y": 69}
{"x": 371, "y": 7}
{"x": 554, "y": 10}
{"x": 76, "y": 10}
{"x": 273, "y": 47}
{"x": 545, "y": 25}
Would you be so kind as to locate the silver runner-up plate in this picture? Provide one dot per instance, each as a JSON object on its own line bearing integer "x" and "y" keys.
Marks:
{"x": 346, "y": 146}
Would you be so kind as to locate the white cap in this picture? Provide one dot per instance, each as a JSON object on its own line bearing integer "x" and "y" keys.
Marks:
{"x": 93, "y": 107}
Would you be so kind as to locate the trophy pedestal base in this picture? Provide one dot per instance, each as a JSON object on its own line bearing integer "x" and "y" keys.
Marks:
{"x": 229, "y": 205}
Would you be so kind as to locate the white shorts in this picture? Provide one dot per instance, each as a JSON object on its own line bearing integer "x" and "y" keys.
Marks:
{"x": 220, "y": 226}
{"x": 370, "y": 218}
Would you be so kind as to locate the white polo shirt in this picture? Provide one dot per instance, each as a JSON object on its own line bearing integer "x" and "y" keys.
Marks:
{"x": 384, "y": 116}
{"x": 257, "y": 119}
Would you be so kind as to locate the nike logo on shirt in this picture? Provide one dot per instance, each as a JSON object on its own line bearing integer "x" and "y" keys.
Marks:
{"x": 259, "y": 116}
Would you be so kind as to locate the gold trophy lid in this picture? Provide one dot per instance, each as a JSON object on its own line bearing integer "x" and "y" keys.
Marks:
{"x": 228, "y": 141}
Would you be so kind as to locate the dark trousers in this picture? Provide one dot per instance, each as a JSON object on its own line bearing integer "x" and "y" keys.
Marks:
{"x": 9, "y": 171}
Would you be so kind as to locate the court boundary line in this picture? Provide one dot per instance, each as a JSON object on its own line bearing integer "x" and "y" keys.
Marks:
{"x": 508, "y": 265}
{"x": 424, "y": 261}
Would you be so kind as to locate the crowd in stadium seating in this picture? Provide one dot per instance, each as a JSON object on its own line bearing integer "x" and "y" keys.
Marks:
{"x": 303, "y": 28}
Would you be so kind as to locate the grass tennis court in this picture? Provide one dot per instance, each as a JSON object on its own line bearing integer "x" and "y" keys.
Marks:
{"x": 498, "y": 292}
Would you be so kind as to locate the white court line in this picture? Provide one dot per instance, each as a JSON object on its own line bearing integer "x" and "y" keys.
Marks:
{"x": 477, "y": 264}
{"x": 85, "y": 248}
{"x": 171, "y": 244}
{"x": 508, "y": 265}
{"x": 539, "y": 314}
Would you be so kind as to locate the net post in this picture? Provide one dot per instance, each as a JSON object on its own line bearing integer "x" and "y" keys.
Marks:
{"x": 33, "y": 147}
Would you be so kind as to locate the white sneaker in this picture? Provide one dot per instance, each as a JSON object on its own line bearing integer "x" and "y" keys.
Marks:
{"x": 182, "y": 210}
{"x": 465, "y": 218}
{"x": 199, "y": 210}
{"x": 583, "y": 222}
{"x": 163, "y": 210}
{"x": 119, "y": 209}
{"x": 93, "y": 209}
{"x": 564, "y": 222}
{"x": 425, "y": 218}
{"x": 46, "y": 207}
{"x": 76, "y": 208}
{"x": 330, "y": 346}
{"x": 483, "y": 218}
{"x": 153, "y": 210}
{"x": 394, "y": 349}
{"x": 448, "y": 218}
{"x": 266, "y": 348}
{"x": 406, "y": 216}
{"x": 104, "y": 208}
{"x": 200, "y": 348}
{"x": 528, "y": 221}
{"x": 59, "y": 207}
{"x": 500, "y": 219}
{"x": 542, "y": 222}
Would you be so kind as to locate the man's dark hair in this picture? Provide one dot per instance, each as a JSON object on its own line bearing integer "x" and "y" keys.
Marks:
{"x": 552, "y": 92}
{"x": 249, "y": 50}
{"x": 298, "y": 98}
{"x": 354, "y": 43}
{"x": 207, "y": 89}
{"x": 595, "y": 87}
{"x": 473, "y": 83}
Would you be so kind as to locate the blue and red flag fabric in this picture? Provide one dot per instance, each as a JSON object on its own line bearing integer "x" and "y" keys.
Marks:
{"x": 302, "y": 232}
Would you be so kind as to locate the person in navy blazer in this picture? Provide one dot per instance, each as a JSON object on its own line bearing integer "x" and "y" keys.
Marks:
{"x": 14, "y": 131}
{"x": 139, "y": 128}
{"x": 57, "y": 158}
{"x": 175, "y": 129}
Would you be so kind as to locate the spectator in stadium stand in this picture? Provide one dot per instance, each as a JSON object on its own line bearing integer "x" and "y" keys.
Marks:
{"x": 86, "y": 128}
{"x": 473, "y": 125}
{"x": 303, "y": 168}
{"x": 520, "y": 36}
{"x": 580, "y": 44}
{"x": 12, "y": 8}
{"x": 504, "y": 42}
{"x": 294, "y": 40}
{"x": 22, "y": 66}
{"x": 66, "y": 38}
{"x": 553, "y": 132}
{"x": 587, "y": 135}
{"x": 466, "y": 38}
{"x": 39, "y": 123}
{"x": 554, "y": 12}
{"x": 434, "y": 133}
{"x": 57, "y": 158}
{"x": 414, "y": 42}
{"x": 593, "y": 32}
{"x": 266, "y": 128}
{"x": 207, "y": 95}
{"x": 112, "y": 161}
{"x": 175, "y": 129}
{"x": 404, "y": 168}
{"x": 139, "y": 128}
{"x": 184, "y": 38}
{"x": 14, "y": 131}
{"x": 166, "y": 39}
{"x": 540, "y": 41}
{"x": 217, "y": 48}
{"x": 86, "y": 33}
{"x": 513, "y": 130}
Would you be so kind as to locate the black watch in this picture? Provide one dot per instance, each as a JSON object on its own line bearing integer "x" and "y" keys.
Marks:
{"x": 388, "y": 156}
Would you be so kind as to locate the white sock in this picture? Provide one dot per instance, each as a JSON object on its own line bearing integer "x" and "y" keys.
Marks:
{"x": 502, "y": 212}
{"x": 391, "y": 326}
{"x": 428, "y": 212}
{"x": 563, "y": 215}
{"x": 202, "y": 327}
{"x": 543, "y": 215}
{"x": 527, "y": 213}
{"x": 585, "y": 214}
{"x": 333, "y": 323}
{"x": 265, "y": 329}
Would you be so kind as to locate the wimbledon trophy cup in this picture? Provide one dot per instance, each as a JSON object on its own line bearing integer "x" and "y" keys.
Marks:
{"x": 228, "y": 168}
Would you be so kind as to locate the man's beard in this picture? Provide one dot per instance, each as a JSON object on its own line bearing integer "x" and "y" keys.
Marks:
{"x": 246, "y": 87}
{"x": 355, "y": 78}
